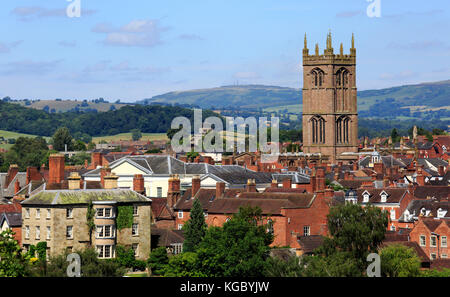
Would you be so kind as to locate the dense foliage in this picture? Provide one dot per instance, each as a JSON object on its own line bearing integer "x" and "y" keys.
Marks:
{"x": 158, "y": 260}
{"x": 399, "y": 261}
{"x": 194, "y": 228}
{"x": 124, "y": 216}
{"x": 13, "y": 262}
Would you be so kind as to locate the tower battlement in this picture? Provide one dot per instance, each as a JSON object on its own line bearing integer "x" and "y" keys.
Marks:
{"x": 328, "y": 55}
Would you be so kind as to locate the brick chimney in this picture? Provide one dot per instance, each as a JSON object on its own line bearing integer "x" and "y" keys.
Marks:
{"x": 287, "y": 183}
{"x": 74, "y": 181}
{"x": 195, "y": 185}
{"x": 111, "y": 181}
{"x": 420, "y": 179}
{"x": 251, "y": 186}
{"x": 274, "y": 184}
{"x": 320, "y": 179}
{"x": 329, "y": 193}
{"x": 138, "y": 184}
{"x": 220, "y": 189}
{"x": 33, "y": 175}
{"x": 12, "y": 172}
{"x": 378, "y": 167}
{"x": 173, "y": 192}
{"x": 386, "y": 183}
{"x": 104, "y": 171}
{"x": 347, "y": 175}
{"x": 355, "y": 166}
{"x": 16, "y": 186}
{"x": 441, "y": 170}
{"x": 56, "y": 168}
{"x": 183, "y": 158}
{"x": 96, "y": 159}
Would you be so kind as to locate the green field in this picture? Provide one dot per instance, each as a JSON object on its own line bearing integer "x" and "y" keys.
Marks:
{"x": 8, "y": 135}
{"x": 294, "y": 108}
{"x": 127, "y": 136}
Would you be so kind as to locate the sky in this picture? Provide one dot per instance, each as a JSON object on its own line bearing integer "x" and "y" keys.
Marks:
{"x": 131, "y": 50}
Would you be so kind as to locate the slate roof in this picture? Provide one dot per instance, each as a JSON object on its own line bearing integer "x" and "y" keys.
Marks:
{"x": 415, "y": 206}
{"x": 64, "y": 197}
{"x": 388, "y": 161}
{"x": 310, "y": 243}
{"x": 14, "y": 219}
{"x": 9, "y": 191}
{"x": 422, "y": 192}
{"x": 165, "y": 237}
{"x": 394, "y": 195}
{"x": 295, "y": 177}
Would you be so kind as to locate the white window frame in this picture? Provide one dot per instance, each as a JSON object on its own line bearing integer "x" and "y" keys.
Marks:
{"x": 48, "y": 232}
{"x": 444, "y": 256}
{"x": 306, "y": 230}
{"x": 431, "y": 241}
{"x": 27, "y": 213}
{"x": 49, "y": 213}
{"x": 433, "y": 258}
{"x": 423, "y": 240}
{"x": 135, "y": 210}
{"x": 38, "y": 213}
{"x": 101, "y": 213}
{"x": 135, "y": 229}
{"x": 69, "y": 233}
{"x": 101, "y": 250}
{"x": 158, "y": 192}
{"x": 69, "y": 213}
{"x": 27, "y": 232}
{"x": 180, "y": 226}
{"x": 101, "y": 231}
{"x": 444, "y": 242}
{"x": 393, "y": 215}
{"x": 180, "y": 214}
{"x": 38, "y": 232}
{"x": 135, "y": 247}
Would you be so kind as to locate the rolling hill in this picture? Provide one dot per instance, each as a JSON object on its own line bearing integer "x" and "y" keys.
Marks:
{"x": 431, "y": 95}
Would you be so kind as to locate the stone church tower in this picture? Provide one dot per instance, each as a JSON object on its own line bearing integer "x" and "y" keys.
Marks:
{"x": 330, "y": 115}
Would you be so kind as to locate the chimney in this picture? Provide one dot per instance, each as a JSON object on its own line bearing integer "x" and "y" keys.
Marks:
{"x": 33, "y": 175}
{"x": 374, "y": 176}
{"x": 320, "y": 179}
{"x": 347, "y": 175}
{"x": 386, "y": 183}
{"x": 56, "y": 168}
{"x": 329, "y": 169}
{"x": 378, "y": 167}
{"x": 287, "y": 183}
{"x": 274, "y": 184}
{"x": 220, "y": 189}
{"x": 208, "y": 160}
{"x": 195, "y": 185}
{"x": 12, "y": 171}
{"x": 183, "y": 158}
{"x": 173, "y": 192}
{"x": 329, "y": 193}
{"x": 138, "y": 184}
{"x": 441, "y": 170}
{"x": 16, "y": 186}
{"x": 251, "y": 186}
{"x": 355, "y": 166}
{"x": 86, "y": 164}
{"x": 420, "y": 179}
{"x": 96, "y": 159}
{"x": 74, "y": 181}
{"x": 111, "y": 181}
{"x": 104, "y": 171}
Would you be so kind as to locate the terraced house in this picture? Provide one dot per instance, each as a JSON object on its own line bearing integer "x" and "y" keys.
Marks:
{"x": 59, "y": 218}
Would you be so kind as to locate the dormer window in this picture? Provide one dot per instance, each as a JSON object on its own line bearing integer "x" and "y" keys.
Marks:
{"x": 441, "y": 213}
{"x": 423, "y": 211}
{"x": 366, "y": 197}
{"x": 384, "y": 196}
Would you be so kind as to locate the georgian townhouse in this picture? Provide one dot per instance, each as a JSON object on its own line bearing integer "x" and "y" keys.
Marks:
{"x": 432, "y": 236}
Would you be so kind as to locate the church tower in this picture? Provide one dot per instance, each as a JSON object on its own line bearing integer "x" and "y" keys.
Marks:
{"x": 330, "y": 115}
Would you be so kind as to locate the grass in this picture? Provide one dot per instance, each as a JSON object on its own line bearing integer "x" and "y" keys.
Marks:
{"x": 137, "y": 274}
{"x": 8, "y": 135}
{"x": 127, "y": 136}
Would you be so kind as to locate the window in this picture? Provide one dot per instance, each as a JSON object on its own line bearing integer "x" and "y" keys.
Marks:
{"x": 180, "y": 214}
{"x": 38, "y": 232}
{"x": 134, "y": 229}
{"x": 106, "y": 231}
{"x": 27, "y": 213}
{"x": 176, "y": 248}
{"x": 135, "y": 247}
{"x": 27, "y": 232}
{"x": 38, "y": 213}
{"x": 342, "y": 129}
{"x": 444, "y": 241}
{"x": 107, "y": 212}
{"x": 49, "y": 213}
{"x": 423, "y": 241}
{"x": 270, "y": 226}
{"x": 306, "y": 231}
{"x": 69, "y": 232}
{"x": 392, "y": 228}
{"x": 433, "y": 241}
{"x": 318, "y": 129}
{"x": 135, "y": 210}
{"x": 392, "y": 214}
{"x": 444, "y": 256}
{"x": 433, "y": 256}
{"x": 69, "y": 213}
{"x": 180, "y": 226}
{"x": 48, "y": 232}
{"x": 105, "y": 251}
{"x": 158, "y": 192}
{"x": 99, "y": 212}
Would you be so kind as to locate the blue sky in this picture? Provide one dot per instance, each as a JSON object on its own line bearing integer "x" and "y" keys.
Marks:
{"x": 145, "y": 47}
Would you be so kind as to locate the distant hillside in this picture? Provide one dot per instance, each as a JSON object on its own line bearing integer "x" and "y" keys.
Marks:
{"x": 431, "y": 95}
{"x": 246, "y": 96}
{"x": 54, "y": 106}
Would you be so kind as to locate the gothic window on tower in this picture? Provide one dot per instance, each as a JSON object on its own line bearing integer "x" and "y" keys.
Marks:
{"x": 342, "y": 77}
{"x": 317, "y": 77}
{"x": 342, "y": 130}
{"x": 318, "y": 129}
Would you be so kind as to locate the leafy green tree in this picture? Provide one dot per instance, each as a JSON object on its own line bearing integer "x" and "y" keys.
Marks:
{"x": 183, "y": 265}
{"x": 12, "y": 262}
{"x": 240, "y": 247}
{"x": 337, "y": 264}
{"x": 436, "y": 273}
{"x": 395, "y": 136}
{"x": 195, "y": 228}
{"x": 79, "y": 145}
{"x": 79, "y": 159}
{"x": 136, "y": 134}
{"x": 158, "y": 260}
{"x": 399, "y": 261}
{"x": 277, "y": 267}
{"x": 125, "y": 256}
{"x": 61, "y": 138}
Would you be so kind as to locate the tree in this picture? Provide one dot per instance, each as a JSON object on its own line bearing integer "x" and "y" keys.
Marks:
{"x": 277, "y": 267}
{"x": 240, "y": 247}
{"x": 399, "y": 261}
{"x": 61, "y": 138}
{"x": 136, "y": 134}
{"x": 355, "y": 231}
{"x": 12, "y": 262}
{"x": 183, "y": 265}
{"x": 394, "y": 136}
{"x": 195, "y": 228}
{"x": 158, "y": 260}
